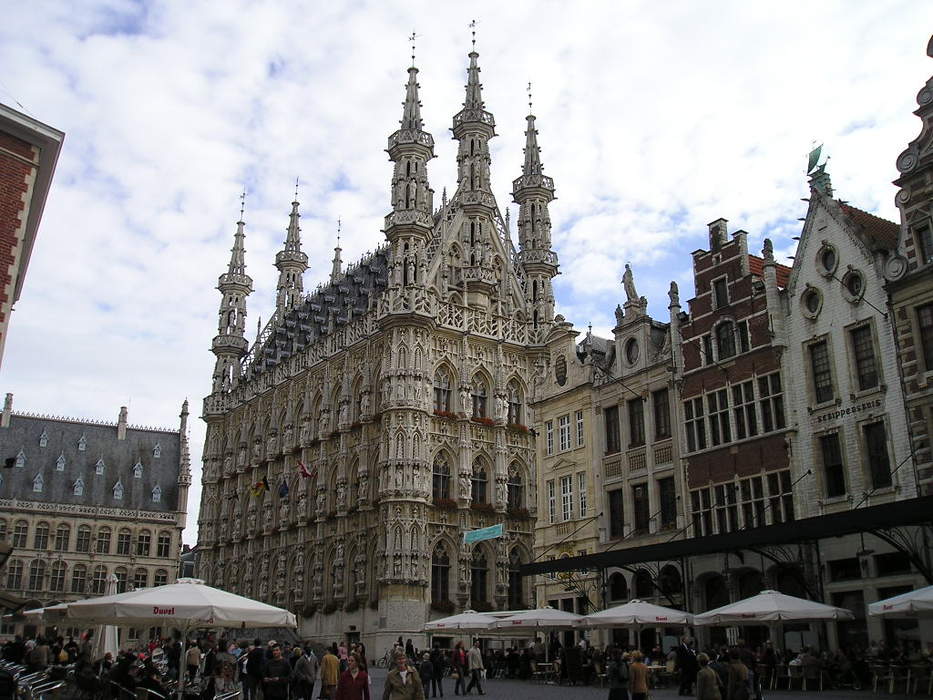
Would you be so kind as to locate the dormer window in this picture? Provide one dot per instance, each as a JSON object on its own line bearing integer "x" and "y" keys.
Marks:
{"x": 82, "y": 444}
{"x": 21, "y": 459}
{"x": 138, "y": 470}
{"x": 157, "y": 494}
{"x": 118, "y": 491}
{"x": 78, "y": 488}
{"x": 157, "y": 451}
{"x": 99, "y": 467}
{"x": 60, "y": 463}
{"x": 44, "y": 438}
{"x": 37, "y": 483}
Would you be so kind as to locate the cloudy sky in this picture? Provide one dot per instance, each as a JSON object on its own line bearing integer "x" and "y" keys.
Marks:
{"x": 654, "y": 119}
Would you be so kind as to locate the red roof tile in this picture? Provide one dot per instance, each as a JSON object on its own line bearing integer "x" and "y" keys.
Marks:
{"x": 880, "y": 231}
{"x": 756, "y": 267}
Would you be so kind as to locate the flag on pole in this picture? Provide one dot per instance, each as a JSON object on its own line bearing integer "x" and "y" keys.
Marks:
{"x": 283, "y": 489}
{"x": 305, "y": 472}
{"x": 260, "y": 486}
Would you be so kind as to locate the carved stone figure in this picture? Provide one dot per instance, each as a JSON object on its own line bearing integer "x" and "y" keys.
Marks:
{"x": 251, "y": 520}
{"x": 344, "y": 413}
{"x": 501, "y": 491}
{"x": 283, "y": 513}
{"x": 365, "y": 404}
{"x": 501, "y": 407}
{"x": 674, "y": 294}
{"x": 363, "y": 487}
{"x": 464, "y": 480}
{"x": 341, "y": 495}
{"x": 465, "y": 400}
{"x": 267, "y": 517}
{"x": 321, "y": 501}
{"x": 302, "y": 505}
{"x": 620, "y": 315}
{"x": 322, "y": 424}
{"x": 628, "y": 281}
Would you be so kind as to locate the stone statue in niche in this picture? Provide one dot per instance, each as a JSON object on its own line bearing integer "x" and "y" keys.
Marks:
{"x": 251, "y": 519}
{"x": 322, "y": 424}
{"x": 288, "y": 434}
{"x": 501, "y": 407}
{"x": 241, "y": 455}
{"x": 501, "y": 491}
{"x": 464, "y": 480}
{"x": 321, "y": 501}
{"x": 267, "y": 517}
{"x": 397, "y": 566}
{"x": 365, "y": 404}
{"x": 341, "y": 495}
{"x": 363, "y": 487}
{"x": 344, "y": 413}
{"x": 283, "y": 513}
{"x": 465, "y": 401}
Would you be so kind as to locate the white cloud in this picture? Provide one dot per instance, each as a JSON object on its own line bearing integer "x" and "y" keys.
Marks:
{"x": 654, "y": 119}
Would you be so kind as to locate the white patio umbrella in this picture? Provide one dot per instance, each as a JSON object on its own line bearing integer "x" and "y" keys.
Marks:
{"x": 917, "y": 603}
{"x": 186, "y": 604}
{"x": 49, "y": 613}
{"x": 541, "y": 618}
{"x": 637, "y": 612}
{"x": 467, "y": 621}
{"x": 771, "y": 606}
{"x": 106, "y": 638}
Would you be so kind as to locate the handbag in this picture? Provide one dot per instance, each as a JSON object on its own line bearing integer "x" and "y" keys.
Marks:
{"x": 455, "y": 675}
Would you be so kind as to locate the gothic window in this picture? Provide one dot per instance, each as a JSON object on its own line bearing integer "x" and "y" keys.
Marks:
{"x": 44, "y": 438}
{"x": 441, "y": 486}
{"x": 79, "y": 578}
{"x": 62, "y": 537}
{"x": 21, "y": 459}
{"x": 157, "y": 451}
{"x": 103, "y": 540}
{"x": 99, "y": 467}
{"x": 478, "y": 483}
{"x": 99, "y": 580}
{"x": 644, "y": 587}
{"x": 479, "y": 398}
{"x": 38, "y": 483}
{"x": 441, "y": 391}
{"x": 82, "y": 444}
{"x": 516, "y": 490}
{"x": 479, "y": 571}
{"x": 118, "y": 491}
{"x": 138, "y": 470}
{"x": 40, "y": 539}
{"x": 60, "y": 463}
{"x": 440, "y": 575}
{"x": 515, "y": 404}
{"x": 57, "y": 579}
{"x": 516, "y": 601}
{"x": 618, "y": 587}
{"x": 157, "y": 494}
{"x": 78, "y": 487}
{"x": 83, "y": 543}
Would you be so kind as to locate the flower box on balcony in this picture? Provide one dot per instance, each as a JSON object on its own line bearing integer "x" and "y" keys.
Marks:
{"x": 445, "y": 504}
{"x": 484, "y": 421}
{"x": 445, "y": 414}
{"x": 483, "y": 507}
{"x": 518, "y": 427}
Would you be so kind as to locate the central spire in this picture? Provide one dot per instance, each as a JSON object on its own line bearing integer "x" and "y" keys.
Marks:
{"x": 474, "y": 88}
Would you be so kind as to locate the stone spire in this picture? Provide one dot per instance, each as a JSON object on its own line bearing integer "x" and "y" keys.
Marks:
{"x": 291, "y": 263}
{"x": 473, "y": 127}
{"x": 184, "y": 476}
{"x": 336, "y": 263}
{"x": 229, "y": 345}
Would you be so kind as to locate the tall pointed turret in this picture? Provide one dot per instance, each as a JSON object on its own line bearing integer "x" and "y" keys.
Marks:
{"x": 291, "y": 263}
{"x": 229, "y": 345}
{"x": 473, "y": 127}
{"x": 533, "y": 191}
{"x": 336, "y": 263}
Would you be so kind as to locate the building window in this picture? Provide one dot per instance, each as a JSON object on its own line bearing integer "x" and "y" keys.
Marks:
{"x": 20, "y": 533}
{"x": 44, "y": 438}
{"x": 479, "y": 573}
{"x": 515, "y": 491}
{"x": 727, "y": 511}
{"x": 702, "y": 511}
{"x": 37, "y": 575}
{"x": 122, "y": 579}
{"x": 514, "y": 413}
{"x": 549, "y": 437}
{"x": 99, "y": 580}
{"x": 662, "y": 414}
{"x": 636, "y": 422}
{"x": 161, "y": 577}
{"x": 925, "y": 328}
{"x": 123, "y": 542}
{"x": 720, "y": 293}
{"x": 118, "y": 491}
{"x": 566, "y": 498}
{"x": 82, "y": 444}
{"x": 667, "y": 498}
{"x": 479, "y": 398}
{"x": 440, "y": 575}
{"x": 551, "y": 502}
{"x": 725, "y": 340}
{"x": 138, "y": 470}
{"x": 103, "y": 540}
{"x": 40, "y": 539}
{"x": 164, "y": 546}
{"x": 38, "y": 483}
{"x": 20, "y": 459}
{"x": 142, "y": 544}
{"x": 863, "y": 353}
{"x": 924, "y": 239}
{"x": 441, "y": 479}
{"x": 140, "y": 579}
{"x": 14, "y": 575}
{"x": 743, "y": 401}
{"x": 707, "y": 349}
{"x": 771, "y": 402}
{"x": 742, "y": 328}
{"x": 581, "y": 493}
{"x": 57, "y": 578}
{"x": 876, "y": 448}
{"x": 695, "y": 424}
{"x": 478, "y": 483}
{"x": 78, "y": 488}
{"x": 62, "y": 537}
{"x": 157, "y": 451}
{"x": 441, "y": 391}
{"x": 616, "y": 513}
{"x": 60, "y": 463}
{"x": 833, "y": 470}
{"x": 613, "y": 437}
{"x": 156, "y": 494}
{"x": 78, "y": 579}
{"x": 853, "y": 286}
{"x": 821, "y": 373}
{"x": 99, "y": 467}
{"x": 781, "y": 497}
{"x": 641, "y": 510}
{"x": 516, "y": 599}
{"x": 579, "y": 428}
{"x": 83, "y": 543}
{"x": 752, "y": 493}
{"x": 718, "y": 404}
{"x": 563, "y": 432}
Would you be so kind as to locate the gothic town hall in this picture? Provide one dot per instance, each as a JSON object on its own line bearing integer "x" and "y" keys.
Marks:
{"x": 375, "y": 421}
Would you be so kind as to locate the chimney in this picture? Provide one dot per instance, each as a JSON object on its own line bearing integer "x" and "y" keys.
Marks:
{"x": 718, "y": 234}
{"x": 7, "y": 411}
{"x": 121, "y": 424}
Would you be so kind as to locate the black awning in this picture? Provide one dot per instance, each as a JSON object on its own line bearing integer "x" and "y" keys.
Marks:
{"x": 913, "y": 511}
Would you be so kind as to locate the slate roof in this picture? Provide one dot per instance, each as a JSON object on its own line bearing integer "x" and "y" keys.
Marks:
{"x": 756, "y": 267}
{"x": 327, "y": 308}
{"x": 119, "y": 457}
{"x": 879, "y": 231}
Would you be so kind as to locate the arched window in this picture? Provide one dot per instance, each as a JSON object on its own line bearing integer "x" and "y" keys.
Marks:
{"x": 644, "y": 588}
{"x": 515, "y": 404}
{"x": 618, "y": 587}
{"x": 83, "y": 543}
{"x": 62, "y": 537}
{"x": 441, "y": 391}
{"x": 140, "y": 579}
{"x": 79, "y": 578}
{"x": 479, "y": 572}
{"x": 516, "y": 598}
{"x": 515, "y": 490}
{"x": 670, "y": 582}
{"x": 20, "y": 533}
{"x": 725, "y": 340}
{"x": 478, "y": 483}
{"x": 103, "y": 540}
{"x": 41, "y": 538}
{"x": 37, "y": 575}
{"x": 122, "y": 578}
{"x": 441, "y": 485}
{"x": 161, "y": 577}
{"x": 440, "y": 575}
{"x": 57, "y": 579}
{"x": 123, "y": 541}
{"x": 164, "y": 545}
{"x": 14, "y": 575}
{"x": 142, "y": 543}
{"x": 99, "y": 580}
{"x": 479, "y": 398}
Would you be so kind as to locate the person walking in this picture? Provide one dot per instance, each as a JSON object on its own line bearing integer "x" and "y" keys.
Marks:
{"x": 617, "y": 674}
{"x": 737, "y": 685}
{"x": 305, "y": 674}
{"x": 255, "y": 668}
{"x": 354, "y": 682}
{"x": 638, "y": 677}
{"x": 193, "y": 660}
{"x": 276, "y": 675}
{"x": 437, "y": 680}
{"x": 426, "y": 671}
{"x": 709, "y": 687}
{"x": 403, "y": 682}
{"x": 458, "y": 668}
{"x": 475, "y": 664}
{"x": 686, "y": 660}
{"x": 330, "y": 674}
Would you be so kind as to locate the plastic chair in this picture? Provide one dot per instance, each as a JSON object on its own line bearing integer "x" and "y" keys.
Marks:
{"x": 879, "y": 674}
{"x": 898, "y": 674}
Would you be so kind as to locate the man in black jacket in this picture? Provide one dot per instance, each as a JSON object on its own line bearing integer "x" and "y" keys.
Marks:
{"x": 255, "y": 668}
{"x": 687, "y": 665}
{"x": 277, "y": 673}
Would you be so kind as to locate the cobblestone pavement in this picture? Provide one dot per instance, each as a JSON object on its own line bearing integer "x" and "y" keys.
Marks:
{"x": 526, "y": 690}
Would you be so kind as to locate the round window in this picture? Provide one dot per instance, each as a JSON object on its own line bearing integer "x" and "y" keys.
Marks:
{"x": 631, "y": 351}
{"x": 811, "y": 301}
{"x": 827, "y": 259}
{"x": 854, "y": 285}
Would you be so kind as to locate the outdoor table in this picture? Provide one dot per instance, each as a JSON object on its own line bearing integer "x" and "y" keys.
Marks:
{"x": 544, "y": 670}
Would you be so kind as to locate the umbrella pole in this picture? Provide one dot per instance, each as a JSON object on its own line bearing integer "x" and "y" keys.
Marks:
{"x": 182, "y": 663}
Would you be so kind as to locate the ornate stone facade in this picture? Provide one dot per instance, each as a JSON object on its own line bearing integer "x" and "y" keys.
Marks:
{"x": 376, "y": 420}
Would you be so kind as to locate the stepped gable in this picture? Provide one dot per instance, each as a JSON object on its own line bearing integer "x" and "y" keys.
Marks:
{"x": 119, "y": 457}
{"x": 328, "y": 307}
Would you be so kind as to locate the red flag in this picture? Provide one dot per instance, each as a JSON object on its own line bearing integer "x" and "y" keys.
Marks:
{"x": 305, "y": 472}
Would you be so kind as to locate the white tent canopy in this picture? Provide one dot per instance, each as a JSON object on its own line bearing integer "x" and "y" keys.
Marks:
{"x": 771, "y": 606}
{"x": 50, "y": 613}
{"x": 467, "y": 621}
{"x": 542, "y": 618}
{"x": 185, "y": 604}
{"x": 917, "y": 603}
{"x": 637, "y": 612}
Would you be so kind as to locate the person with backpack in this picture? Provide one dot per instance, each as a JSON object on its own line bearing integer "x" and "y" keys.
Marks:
{"x": 617, "y": 675}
